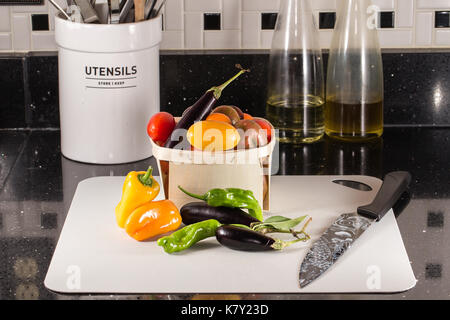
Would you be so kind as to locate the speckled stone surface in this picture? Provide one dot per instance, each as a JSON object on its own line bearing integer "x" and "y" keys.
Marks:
{"x": 12, "y": 105}
{"x": 43, "y": 105}
{"x": 416, "y": 86}
{"x": 38, "y": 185}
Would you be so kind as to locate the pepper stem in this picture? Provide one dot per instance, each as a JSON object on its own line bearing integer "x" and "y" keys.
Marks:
{"x": 217, "y": 91}
{"x": 146, "y": 178}
{"x": 197, "y": 196}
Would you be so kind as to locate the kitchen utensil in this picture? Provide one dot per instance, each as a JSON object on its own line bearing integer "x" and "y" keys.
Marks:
{"x": 348, "y": 227}
{"x": 106, "y": 260}
{"x": 114, "y": 11}
{"x": 87, "y": 11}
{"x": 125, "y": 11}
{"x": 148, "y": 6}
{"x": 139, "y": 8}
{"x": 61, "y": 10}
{"x": 103, "y": 11}
{"x": 159, "y": 9}
{"x": 130, "y": 17}
{"x": 75, "y": 14}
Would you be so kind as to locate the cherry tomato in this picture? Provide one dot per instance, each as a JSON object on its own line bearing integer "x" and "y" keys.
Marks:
{"x": 265, "y": 125}
{"x": 160, "y": 127}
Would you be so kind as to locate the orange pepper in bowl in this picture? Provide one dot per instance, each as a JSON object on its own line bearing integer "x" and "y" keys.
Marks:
{"x": 152, "y": 219}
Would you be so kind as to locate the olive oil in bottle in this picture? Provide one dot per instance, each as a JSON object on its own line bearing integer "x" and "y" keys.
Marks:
{"x": 298, "y": 120}
{"x": 357, "y": 121}
{"x": 354, "y": 99}
{"x": 296, "y": 95}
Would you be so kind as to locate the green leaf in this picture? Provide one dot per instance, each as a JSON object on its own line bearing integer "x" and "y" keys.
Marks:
{"x": 276, "y": 219}
{"x": 241, "y": 226}
{"x": 281, "y": 224}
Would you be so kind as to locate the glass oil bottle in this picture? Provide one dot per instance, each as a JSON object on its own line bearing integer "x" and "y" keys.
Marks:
{"x": 295, "y": 101}
{"x": 354, "y": 100}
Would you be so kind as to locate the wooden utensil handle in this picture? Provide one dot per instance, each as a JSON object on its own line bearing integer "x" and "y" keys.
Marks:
{"x": 139, "y": 6}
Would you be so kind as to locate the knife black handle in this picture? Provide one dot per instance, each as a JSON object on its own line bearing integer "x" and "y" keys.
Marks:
{"x": 394, "y": 184}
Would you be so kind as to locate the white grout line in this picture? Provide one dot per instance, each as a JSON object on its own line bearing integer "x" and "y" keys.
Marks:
{"x": 241, "y": 12}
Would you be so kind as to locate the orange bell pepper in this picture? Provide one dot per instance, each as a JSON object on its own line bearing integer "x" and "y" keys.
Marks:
{"x": 140, "y": 187}
{"x": 152, "y": 219}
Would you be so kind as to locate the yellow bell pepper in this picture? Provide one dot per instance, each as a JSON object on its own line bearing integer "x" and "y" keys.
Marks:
{"x": 139, "y": 188}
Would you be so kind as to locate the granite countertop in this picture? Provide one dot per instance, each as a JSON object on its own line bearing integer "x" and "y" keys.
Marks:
{"x": 37, "y": 185}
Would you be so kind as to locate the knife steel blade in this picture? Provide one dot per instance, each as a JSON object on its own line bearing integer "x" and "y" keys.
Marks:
{"x": 348, "y": 227}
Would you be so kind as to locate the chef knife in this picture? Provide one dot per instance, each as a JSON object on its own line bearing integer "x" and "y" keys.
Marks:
{"x": 348, "y": 227}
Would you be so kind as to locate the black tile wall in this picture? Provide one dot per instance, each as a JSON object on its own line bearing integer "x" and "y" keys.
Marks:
{"x": 327, "y": 20}
{"x": 409, "y": 98}
{"x": 211, "y": 21}
{"x": 39, "y": 22}
{"x": 442, "y": 19}
{"x": 12, "y": 93}
{"x": 387, "y": 20}
{"x": 42, "y": 108}
{"x": 268, "y": 21}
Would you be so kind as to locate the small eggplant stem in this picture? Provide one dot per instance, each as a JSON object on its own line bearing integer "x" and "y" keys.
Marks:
{"x": 193, "y": 195}
{"x": 217, "y": 91}
{"x": 280, "y": 244}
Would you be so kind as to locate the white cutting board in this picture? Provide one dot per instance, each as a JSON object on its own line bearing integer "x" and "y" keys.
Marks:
{"x": 94, "y": 255}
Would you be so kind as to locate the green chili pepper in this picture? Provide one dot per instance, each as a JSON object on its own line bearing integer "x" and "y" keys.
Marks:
{"x": 188, "y": 236}
{"x": 231, "y": 197}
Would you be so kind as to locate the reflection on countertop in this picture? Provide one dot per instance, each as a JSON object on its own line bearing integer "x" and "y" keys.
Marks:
{"x": 37, "y": 185}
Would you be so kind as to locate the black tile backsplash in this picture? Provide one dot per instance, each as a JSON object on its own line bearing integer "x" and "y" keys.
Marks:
{"x": 268, "y": 21}
{"x": 327, "y": 20}
{"x": 42, "y": 108}
{"x": 416, "y": 86}
{"x": 211, "y": 21}
{"x": 12, "y": 102}
{"x": 39, "y": 22}
{"x": 387, "y": 19}
{"x": 442, "y": 19}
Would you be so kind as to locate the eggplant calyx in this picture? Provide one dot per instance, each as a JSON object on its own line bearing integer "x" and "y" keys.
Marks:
{"x": 217, "y": 91}
{"x": 280, "y": 244}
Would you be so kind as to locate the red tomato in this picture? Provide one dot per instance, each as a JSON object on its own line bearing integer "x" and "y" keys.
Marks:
{"x": 160, "y": 127}
{"x": 265, "y": 125}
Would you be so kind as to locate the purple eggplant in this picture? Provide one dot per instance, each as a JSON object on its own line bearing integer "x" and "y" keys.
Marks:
{"x": 198, "y": 111}
{"x": 245, "y": 239}
{"x": 198, "y": 211}
{"x": 241, "y": 239}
